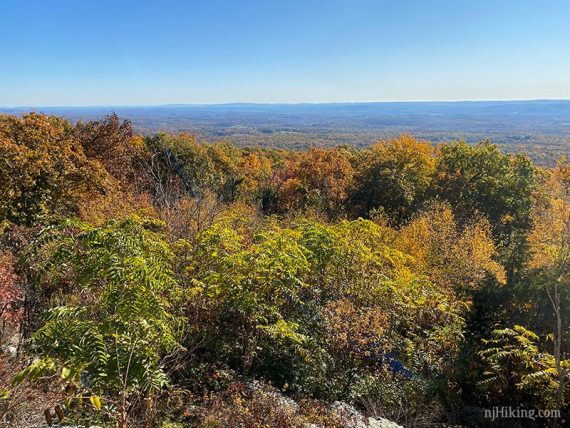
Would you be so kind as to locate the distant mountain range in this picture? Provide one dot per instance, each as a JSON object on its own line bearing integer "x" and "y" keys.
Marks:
{"x": 540, "y": 128}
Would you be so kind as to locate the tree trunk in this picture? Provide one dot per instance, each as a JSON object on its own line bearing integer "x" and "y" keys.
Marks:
{"x": 149, "y": 411}
{"x": 123, "y": 419}
{"x": 123, "y": 410}
{"x": 555, "y": 301}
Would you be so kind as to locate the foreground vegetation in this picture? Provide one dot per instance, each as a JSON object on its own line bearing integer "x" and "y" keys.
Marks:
{"x": 157, "y": 281}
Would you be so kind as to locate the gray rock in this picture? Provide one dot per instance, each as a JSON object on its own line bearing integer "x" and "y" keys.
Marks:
{"x": 347, "y": 412}
{"x": 282, "y": 400}
{"x": 382, "y": 423}
{"x": 355, "y": 419}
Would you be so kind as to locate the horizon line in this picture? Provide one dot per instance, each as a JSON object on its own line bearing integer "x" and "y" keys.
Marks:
{"x": 280, "y": 103}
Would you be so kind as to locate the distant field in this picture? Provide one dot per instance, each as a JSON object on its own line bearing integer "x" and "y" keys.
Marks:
{"x": 539, "y": 128}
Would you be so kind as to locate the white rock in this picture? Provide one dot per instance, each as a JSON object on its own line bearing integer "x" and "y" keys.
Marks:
{"x": 382, "y": 423}
{"x": 357, "y": 420}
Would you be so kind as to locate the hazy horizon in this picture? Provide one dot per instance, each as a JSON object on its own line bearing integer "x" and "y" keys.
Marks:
{"x": 236, "y": 103}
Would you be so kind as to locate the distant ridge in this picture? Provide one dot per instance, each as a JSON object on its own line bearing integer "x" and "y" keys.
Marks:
{"x": 250, "y": 104}
{"x": 540, "y": 127}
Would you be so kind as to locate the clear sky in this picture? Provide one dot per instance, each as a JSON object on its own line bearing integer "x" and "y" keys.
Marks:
{"x": 127, "y": 52}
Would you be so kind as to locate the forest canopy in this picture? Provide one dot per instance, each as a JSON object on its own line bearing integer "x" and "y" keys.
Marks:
{"x": 160, "y": 281}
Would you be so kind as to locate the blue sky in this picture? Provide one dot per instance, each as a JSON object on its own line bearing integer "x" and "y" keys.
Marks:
{"x": 127, "y": 52}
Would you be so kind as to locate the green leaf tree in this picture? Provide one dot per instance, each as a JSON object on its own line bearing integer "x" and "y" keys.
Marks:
{"x": 515, "y": 365}
{"x": 110, "y": 332}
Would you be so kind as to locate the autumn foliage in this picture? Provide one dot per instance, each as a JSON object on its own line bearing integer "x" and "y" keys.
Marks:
{"x": 155, "y": 280}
